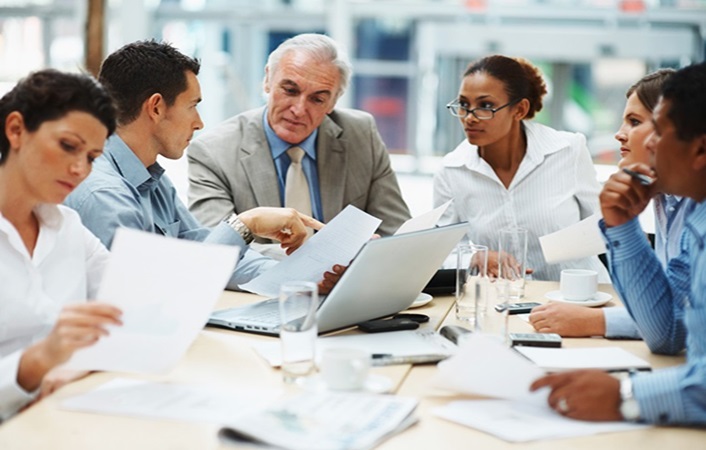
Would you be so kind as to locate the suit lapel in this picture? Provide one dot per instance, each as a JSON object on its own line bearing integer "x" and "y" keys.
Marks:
{"x": 258, "y": 165}
{"x": 331, "y": 163}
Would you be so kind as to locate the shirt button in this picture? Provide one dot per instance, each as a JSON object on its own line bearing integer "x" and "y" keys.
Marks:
{"x": 616, "y": 244}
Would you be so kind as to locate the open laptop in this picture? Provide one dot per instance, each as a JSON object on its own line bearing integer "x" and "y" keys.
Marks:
{"x": 384, "y": 278}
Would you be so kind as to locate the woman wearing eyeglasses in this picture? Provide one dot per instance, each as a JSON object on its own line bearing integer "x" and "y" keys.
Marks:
{"x": 53, "y": 126}
{"x": 511, "y": 171}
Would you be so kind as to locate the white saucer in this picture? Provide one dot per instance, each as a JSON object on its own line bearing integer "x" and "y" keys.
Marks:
{"x": 421, "y": 300}
{"x": 600, "y": 299}
{"x": 375, "y": 384}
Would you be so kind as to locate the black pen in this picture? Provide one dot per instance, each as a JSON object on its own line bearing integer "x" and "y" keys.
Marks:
{"x": 643, "y": 179}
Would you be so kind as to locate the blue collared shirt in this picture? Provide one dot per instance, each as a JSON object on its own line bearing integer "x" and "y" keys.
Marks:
{"x": 279, "y": 148}
{"x": 670, "y": 212}
{"x": 669, "y": 308}
{"x": 122, "y": 192}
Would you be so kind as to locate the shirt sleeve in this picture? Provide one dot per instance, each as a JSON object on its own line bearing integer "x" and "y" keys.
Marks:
{"x": 12, "y": 396}
{"x": 674, "y": 395}
{"x": 657, "y": 306}
{"x": 619, "y": 324}
{"x": 251, "y": 263}
{"x": 106, "y": 210}
{"x": 442, "y": 194}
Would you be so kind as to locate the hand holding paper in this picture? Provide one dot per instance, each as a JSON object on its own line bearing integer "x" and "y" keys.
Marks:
{"x": 165, "y": 298}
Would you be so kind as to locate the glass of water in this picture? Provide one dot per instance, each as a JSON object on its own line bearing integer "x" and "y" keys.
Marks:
{"x": 512, "y": 259}
{"x": 298, "y": 303}
{"x": 471, "y": 284}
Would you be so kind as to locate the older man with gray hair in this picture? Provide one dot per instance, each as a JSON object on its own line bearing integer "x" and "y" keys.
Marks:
{"x": 298, "y": 150}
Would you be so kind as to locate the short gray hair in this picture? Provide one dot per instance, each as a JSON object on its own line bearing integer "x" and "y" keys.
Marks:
{"x": 320, "y": 47}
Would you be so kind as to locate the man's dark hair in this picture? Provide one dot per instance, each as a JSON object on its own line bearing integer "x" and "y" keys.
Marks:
{"x": 686, "y": 91}
{"x": 49, "y": 95}
{"x": 141, "y": 69}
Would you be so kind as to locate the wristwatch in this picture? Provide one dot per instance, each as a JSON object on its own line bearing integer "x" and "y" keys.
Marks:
{"x": 629, "y": 407}
{"x": 239, "y": 227}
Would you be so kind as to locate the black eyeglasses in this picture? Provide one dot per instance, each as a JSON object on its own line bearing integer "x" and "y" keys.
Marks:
{"x": 457, "y": 110}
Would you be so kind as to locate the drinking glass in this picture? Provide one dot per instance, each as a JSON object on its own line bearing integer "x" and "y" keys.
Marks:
{"x": 512, "y": 256}
{"x": 298, "y": 303}
{"x": 471, "y": 284}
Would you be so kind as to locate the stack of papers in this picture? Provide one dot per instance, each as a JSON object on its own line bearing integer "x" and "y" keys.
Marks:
{"x": 602, "y": 358}
{"x": 484, "y": 366}
{"x": 326, "y": 421}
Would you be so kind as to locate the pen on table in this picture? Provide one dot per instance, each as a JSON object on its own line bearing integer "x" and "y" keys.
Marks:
{"x": 386, "y": 359}
{"x": 643, "y": 179}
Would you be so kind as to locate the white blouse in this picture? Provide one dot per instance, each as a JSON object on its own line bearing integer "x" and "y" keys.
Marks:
{"x": 554, "y": 187}
{"x": 66, "y": 267}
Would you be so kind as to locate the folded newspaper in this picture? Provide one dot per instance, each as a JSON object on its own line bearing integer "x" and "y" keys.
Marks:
{"x": 325, "y": 421}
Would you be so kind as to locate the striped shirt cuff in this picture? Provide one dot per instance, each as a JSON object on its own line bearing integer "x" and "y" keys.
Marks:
{"x": 659, "y": 396}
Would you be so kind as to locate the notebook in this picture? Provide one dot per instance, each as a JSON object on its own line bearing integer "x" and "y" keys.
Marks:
{"x": 384, "y": 278}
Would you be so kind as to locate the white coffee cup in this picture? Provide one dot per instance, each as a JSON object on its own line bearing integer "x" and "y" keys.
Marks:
{"x": 578, "y": 284}
{"x": 344, "y": 369}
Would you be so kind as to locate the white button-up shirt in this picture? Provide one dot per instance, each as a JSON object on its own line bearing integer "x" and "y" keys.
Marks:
{"x": 65, "y": 267}
{"x": 554, "y": 187}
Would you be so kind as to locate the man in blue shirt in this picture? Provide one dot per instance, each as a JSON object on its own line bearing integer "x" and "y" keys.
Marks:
{"x": 156, "y": 93}
{"x": 668, "y": 308}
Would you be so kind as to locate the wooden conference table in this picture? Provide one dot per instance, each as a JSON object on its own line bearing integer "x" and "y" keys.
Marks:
{"x": 225, "y": 358}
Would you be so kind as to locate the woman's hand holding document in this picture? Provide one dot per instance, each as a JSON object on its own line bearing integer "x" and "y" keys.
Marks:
{"x": 166, "y": 289}
{"x": 486, "y": 367}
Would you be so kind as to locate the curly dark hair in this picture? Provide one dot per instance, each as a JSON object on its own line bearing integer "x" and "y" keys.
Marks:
{"x": 520, "y": 77}
{"x": 686, "y": 90}
{"x": 49, "y": 95}
{"x": 141, "y": 69}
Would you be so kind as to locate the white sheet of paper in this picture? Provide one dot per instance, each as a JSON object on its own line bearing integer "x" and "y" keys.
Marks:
{"x": 397, "y": 343}
{"x": 166, "y": 288}
{"x": 562, "y": 359}
{"x": 137, "y": 398}
{"x": 424, "y": 221}
{"x": 484, "y": 366}
{"x": 517, "y": 421}
{"x": 337, "y": 243}
{"x": 580, "y": 240}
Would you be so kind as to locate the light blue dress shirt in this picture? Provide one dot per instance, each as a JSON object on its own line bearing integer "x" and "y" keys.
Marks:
{"x": 670, "y": 212}
{"x": 279, "y": 148}
{"x": 670, "y": 311}
{"x": 122, "y": 192}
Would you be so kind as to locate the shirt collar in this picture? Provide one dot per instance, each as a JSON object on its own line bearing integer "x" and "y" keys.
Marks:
{"x": 130, "y": 166}
{"x": 278, "y": 146}
{"x": 47, "y": 214}
{"x": 541, "y": 141}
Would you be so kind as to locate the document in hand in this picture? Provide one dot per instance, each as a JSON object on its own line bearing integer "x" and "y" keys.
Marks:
{"x": 166, "y": 289}
{"x": 579, "y": 240}
{"x": 337, "y": 243}
{"x": 603, "y": 358}
{"x": 325, "y": 421}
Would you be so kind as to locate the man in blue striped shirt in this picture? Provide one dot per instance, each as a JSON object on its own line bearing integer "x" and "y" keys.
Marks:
{"x": 668, "y": 308}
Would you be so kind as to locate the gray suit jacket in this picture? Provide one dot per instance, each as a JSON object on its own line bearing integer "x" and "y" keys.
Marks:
{"x": 231, "y": 169}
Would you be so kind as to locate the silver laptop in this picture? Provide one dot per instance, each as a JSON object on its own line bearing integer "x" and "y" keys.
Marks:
{"x": 384, "y": 278}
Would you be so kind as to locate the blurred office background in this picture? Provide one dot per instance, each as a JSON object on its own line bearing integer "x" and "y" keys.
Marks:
{"x": 408, "y": 56}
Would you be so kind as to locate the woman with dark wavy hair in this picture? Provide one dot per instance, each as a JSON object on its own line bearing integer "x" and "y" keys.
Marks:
{"x": 54, "y": 125}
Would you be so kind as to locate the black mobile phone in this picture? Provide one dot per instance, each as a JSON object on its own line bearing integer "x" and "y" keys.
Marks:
{"x": 517, "y": 308}
{"x": 377, "y": 326}
{"x": 535, "y": 339}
